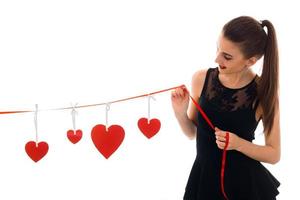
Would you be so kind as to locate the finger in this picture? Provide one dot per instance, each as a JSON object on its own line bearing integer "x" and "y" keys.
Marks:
{"x": 185, "y": 90}
{"x": 177, "y": 93}
{"x": 217, "y": 129}
{"x": 183, "y": 87}
{"x": 220, "y": 144}
{"x": 180, "y": 92}
{"x": 220, "y": 138}
{"x": 220, "y": 133}
{"x": 173, "y": 95}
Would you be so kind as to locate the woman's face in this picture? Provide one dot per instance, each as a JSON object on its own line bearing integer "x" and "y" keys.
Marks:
{"x": 230, "y": 58}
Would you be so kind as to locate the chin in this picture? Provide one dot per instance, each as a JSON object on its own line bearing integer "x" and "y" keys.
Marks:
{"x": 222, "y": 69}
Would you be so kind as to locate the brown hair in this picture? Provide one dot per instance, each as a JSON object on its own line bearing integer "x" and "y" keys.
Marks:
{"x": 250, "y": 36}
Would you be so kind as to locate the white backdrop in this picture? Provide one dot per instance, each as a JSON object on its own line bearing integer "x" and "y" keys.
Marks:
{"x": 57, "y": 52}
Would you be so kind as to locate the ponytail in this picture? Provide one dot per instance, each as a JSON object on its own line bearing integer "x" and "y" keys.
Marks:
{"x": 269, "y": 81}
{"x": 253, "y": 40}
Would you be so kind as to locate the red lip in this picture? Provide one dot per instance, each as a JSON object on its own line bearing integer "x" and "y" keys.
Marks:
{"x": 222, "y": 67}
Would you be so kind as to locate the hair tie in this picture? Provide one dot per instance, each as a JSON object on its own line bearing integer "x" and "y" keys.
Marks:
{"x": 263, "y": 23}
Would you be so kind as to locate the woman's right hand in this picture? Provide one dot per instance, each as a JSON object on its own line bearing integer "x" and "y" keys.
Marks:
{"x": 180, "y": 100}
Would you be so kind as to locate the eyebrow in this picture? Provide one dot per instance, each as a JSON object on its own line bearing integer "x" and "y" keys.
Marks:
{"x": 227, "y": 54}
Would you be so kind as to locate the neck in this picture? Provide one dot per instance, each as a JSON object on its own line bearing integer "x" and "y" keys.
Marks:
{"x": 236, "y": 79}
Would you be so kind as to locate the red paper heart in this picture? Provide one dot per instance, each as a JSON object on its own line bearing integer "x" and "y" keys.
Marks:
{"x": 36, "y": 152}
{"x": 149, "y": 129}
{"x": 107, "y": 142}
{"x": 74, "y": 137}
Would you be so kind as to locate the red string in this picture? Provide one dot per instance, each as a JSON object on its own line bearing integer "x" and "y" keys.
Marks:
{"x": 92, "y": 105}
{"x": 224, "y": 150}
{"x": 203, "y": 113}
{"x": 144, "y": 95}
{"x": 223, "y": 166}
{"x": 13, "y": 112}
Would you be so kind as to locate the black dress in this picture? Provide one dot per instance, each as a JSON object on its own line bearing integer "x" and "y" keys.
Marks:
{"x": 230, "y": 110}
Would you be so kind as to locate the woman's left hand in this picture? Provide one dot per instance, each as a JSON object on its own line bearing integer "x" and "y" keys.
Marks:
{"x": 233, "y": 143}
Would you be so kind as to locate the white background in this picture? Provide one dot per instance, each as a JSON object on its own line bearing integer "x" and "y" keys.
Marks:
{"x": 57, "y": 52}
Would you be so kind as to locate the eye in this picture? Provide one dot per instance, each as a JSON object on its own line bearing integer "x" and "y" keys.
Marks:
{"x": 227, "y": 57}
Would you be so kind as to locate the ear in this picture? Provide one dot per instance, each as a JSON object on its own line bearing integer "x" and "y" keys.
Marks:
{"x": 251, "y": 61}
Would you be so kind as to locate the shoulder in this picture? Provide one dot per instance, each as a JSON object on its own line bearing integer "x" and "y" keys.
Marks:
{"x": 199, "y": 75}
{"x": 198, "y": 81}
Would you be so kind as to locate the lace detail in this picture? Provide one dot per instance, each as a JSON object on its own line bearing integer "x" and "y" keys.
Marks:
{"x": 248, "y": 178}
{"x": 227, "y": 99}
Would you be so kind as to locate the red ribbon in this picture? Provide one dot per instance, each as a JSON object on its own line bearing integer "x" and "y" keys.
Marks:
{"x": 223, "y": 165}
{"x": 224, "y": 150}
{"x": 92, "y": 105}
{"x": 143, "y": 95}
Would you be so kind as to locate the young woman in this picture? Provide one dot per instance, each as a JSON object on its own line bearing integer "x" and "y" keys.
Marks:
{"x": 235, "y": 99}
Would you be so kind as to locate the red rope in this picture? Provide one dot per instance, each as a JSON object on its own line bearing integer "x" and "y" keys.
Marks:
{"x": 202, "y": 113}
{"x": 13, "y": 112}
{"x": 223, "y": 166}
{"x": 92, "y": 105}
{"x": 144, "y": 95}
{"x": 224, "y": 150}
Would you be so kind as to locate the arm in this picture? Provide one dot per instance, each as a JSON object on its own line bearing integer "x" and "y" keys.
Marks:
{"x": 269, "y": 153}
{"x": 185, "y": 111}
{"x": 187, "y": 126}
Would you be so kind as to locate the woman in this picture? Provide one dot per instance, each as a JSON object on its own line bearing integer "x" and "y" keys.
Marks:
{"x": 235, "y": 99}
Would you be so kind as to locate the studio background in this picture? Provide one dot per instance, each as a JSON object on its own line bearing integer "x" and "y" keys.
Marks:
{"x": 54, "y": 53}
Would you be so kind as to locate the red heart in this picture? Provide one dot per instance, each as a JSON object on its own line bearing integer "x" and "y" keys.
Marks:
{"x": 149, "y": 129}
{"x": 74, "y": 137}
{"x": 107, "y": 142}
{"x": 36, "y": 152}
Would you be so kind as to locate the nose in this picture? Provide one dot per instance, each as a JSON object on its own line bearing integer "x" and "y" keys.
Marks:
{"x": 218, "y": 59}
